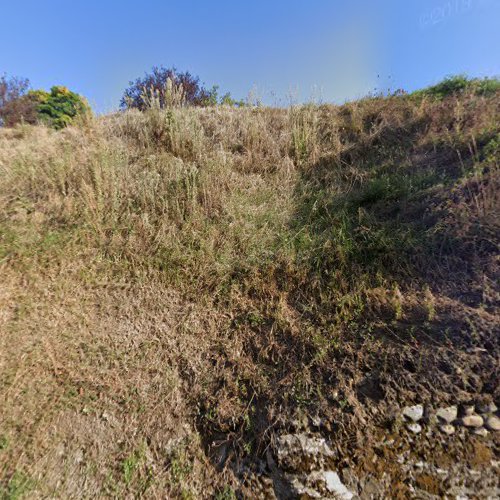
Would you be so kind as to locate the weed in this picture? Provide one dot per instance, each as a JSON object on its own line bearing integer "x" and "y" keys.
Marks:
{"x": 430, "y": 304}
{"x": 227, "y": 493}
{"x": 130, "y": 465}
{"x": 4, "y": 442}
{"x": 17, "y": 486}
{"x": 179, "y": 466}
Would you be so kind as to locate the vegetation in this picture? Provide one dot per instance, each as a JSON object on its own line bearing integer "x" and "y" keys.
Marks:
{"x": 15, "y": 107}
{"x": 159, "y": 84}
{"x": 57, "y": 109}
{"x": 60, "y": 107}
{"x": 457, "y": 84}
{"x": 182, "y": 279}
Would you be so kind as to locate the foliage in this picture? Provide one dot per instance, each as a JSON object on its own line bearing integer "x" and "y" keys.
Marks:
{"x": 457, "y": 84}
{"x": 156, "y": 89}
{"x": 227, "y": 100}
{"x": 156, "y": 82}
{"x": 59, "y": 107}
{"x": 17, "y": 487}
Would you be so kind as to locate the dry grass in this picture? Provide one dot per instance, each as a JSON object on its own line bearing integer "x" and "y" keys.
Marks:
{"x": 170, "y": 278}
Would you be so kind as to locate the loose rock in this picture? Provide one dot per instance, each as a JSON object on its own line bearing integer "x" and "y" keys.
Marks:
{"x": 414, "y": 413}
{"x": 468, "y": 410}
{"x": 447, "y": 429}
{"x": 302, "y": 452}
{"x": 487, "y": 408}
{"x": 334, "y": 485}
{"x": 302, "y": 490}
{"x": 481, "y": 431}
{"x": 414, "y": 427}
{"x": 472, "y": 421}
{"x": 447, "y": 415}
{"x": 493, "y": 423}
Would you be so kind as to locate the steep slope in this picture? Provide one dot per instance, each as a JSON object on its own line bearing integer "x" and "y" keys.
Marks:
{"x": 183, "y": 289}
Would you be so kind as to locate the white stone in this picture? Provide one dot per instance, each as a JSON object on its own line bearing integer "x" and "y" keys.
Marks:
{"x": 481, "y": 431}
{"x": 414, "y": 413}
{"x": 303, "y": 490}
{"x": 487, "y": 408}
{"x": 448, "y": 415}
{"x": 293, "y": 449}
{"x": 493, "y": 423}
{"x": 447, "y": 429}
{"x": 309, "y": 445}
{"x": 414, "y": 427}
{"x": 469, "y": 410}
{"x": 334, "y": 485}
{"x": 472, "y": 421}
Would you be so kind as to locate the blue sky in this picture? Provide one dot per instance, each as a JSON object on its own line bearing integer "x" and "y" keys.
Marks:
{"x": 328, "y": 49}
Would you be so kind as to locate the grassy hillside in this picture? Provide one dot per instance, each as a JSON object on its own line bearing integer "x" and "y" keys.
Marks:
{"x": 184, "y": 281}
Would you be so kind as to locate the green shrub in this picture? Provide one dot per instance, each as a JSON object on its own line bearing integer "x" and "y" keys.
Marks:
{"x": 487, "y": 86}
{"x": 59, "y": 107}
{"x": 228, "y": 100}
{"x": 457, "y": 84}
{"x": 449, "y": 86}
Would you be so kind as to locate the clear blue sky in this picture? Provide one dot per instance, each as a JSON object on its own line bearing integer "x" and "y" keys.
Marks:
{"x": 328, "y": 48}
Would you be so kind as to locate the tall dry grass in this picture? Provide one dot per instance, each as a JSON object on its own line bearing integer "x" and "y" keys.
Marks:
{"x": 164, "y": 271}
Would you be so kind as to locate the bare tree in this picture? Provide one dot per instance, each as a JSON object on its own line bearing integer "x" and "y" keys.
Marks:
{"x": 15, "y": 103}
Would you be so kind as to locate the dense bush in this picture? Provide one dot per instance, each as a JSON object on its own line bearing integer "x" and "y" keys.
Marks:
{"x": 19, "y": 104}
{"x": 454, "y": 85}
{"x": 59, "y": 107}
{"x": 156, "y": 83}
{"x": 163, "y": 87}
